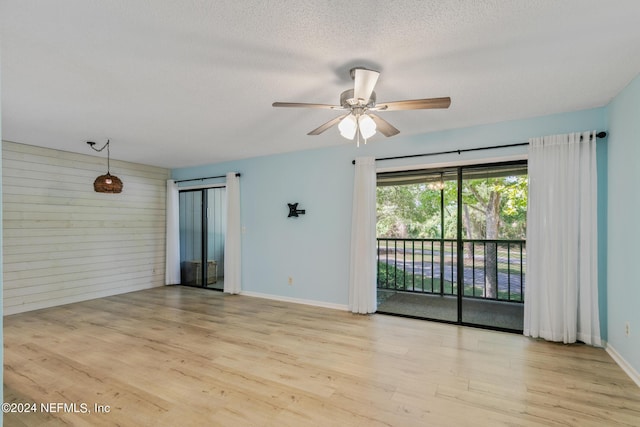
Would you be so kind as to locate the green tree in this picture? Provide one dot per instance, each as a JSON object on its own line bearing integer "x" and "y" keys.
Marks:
{"x": 413, "y": 211}
{"x": 406, "y": 211}
{"x": 494, "y": 208}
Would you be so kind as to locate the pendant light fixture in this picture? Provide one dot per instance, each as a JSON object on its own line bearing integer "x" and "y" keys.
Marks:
{"x": 106, "y": 183}
{"x": 357, "y": 124}
{"x": 437, "y": 185}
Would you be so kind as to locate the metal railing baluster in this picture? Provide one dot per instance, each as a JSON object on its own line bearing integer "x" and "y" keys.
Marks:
{"x": 413, "y": 266}
{"x": 395, "y": 263}
{"x": 508, "y": 272}
{"x": 473, "y": 269}
{"x": 497, "y": 268}
{"x": 484, "y": 252}
{"x": 521, "y": 274}
{"x": 405, "y": 267}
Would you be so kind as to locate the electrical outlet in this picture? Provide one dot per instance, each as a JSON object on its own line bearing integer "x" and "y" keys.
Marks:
{"x": 627, "y": 329}
{"x": 290, "y": 280}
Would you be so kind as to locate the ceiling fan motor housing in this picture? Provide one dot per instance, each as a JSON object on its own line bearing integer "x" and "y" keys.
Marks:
{"x": 348, "y": 101}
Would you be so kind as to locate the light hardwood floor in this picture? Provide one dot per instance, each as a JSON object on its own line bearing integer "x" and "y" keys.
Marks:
{"x": 177, "y": 356}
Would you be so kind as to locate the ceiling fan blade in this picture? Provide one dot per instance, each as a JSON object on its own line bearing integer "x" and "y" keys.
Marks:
{"x": 322, "y": 128}
{"x": 383, "y": 126}
{"x": 305, "y": 105}
{"x": 414, "y": 104}
{"x": 365, "y": 81}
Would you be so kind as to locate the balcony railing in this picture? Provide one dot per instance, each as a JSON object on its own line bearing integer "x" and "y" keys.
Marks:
{"x": 492, "y": 269}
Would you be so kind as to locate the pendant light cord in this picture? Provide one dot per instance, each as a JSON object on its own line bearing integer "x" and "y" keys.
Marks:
{"x": 91, "y": 144}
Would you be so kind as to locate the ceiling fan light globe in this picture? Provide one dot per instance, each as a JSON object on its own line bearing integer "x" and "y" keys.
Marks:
{"x": 348, "y": 127}
{"x": 367, "y": 126}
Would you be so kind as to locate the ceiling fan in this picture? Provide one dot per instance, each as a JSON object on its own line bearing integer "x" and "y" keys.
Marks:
{"x": 360, "y": 104}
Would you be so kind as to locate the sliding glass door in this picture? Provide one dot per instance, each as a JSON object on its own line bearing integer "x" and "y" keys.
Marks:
{"x": 451, "y": 244}
{"x": 202, "y": 228}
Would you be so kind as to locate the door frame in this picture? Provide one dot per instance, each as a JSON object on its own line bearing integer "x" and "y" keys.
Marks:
{"x": 204, "y": 230}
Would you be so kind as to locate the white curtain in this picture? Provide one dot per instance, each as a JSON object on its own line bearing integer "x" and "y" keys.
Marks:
{"x": 232, "y": 247}
{"x": 561, "y": 302}
{"x": 172, "y": 257}
{"x": 362, "y": 274}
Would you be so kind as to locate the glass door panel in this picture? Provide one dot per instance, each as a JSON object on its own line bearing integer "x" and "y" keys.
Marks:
{"x": 191, "y": 229}
{"x": 417, "y": 213}
{"x": 493, "y": 245}
{"x": 216, "y": 227}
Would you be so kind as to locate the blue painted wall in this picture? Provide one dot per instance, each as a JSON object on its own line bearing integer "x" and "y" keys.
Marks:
{"x": 313, "y": 249}
{"x": 623, "y": 229}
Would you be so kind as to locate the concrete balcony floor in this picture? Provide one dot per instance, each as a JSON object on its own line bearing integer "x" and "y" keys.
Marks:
{"x": 476, "y": 311}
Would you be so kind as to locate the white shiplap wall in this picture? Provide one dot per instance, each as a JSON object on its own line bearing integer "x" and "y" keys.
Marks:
{"x": 63, "y": 242}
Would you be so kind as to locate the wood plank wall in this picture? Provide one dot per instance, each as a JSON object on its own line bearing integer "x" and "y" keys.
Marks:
{"x": 65, "y": 243}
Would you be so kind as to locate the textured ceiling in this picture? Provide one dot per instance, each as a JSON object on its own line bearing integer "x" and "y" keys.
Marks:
{"x": 181, "y": 83}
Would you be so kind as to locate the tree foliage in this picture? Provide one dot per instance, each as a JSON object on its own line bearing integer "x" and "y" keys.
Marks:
{"x": 413, "y": 210}
{"x": 496, "y": 207}
{"x": 493, "y": 208}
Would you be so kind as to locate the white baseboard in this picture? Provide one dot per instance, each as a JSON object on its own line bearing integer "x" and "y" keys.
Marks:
{"x": 633, "y": 374}
{"x": 323, "y": 304}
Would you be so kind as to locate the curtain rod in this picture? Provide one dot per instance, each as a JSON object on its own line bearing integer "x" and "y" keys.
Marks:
{"x": 601, "y": 134}
{"x": 202, "y": 179}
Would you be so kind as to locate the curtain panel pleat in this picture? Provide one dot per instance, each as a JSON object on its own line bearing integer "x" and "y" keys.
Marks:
{"x": 362, "y": 274}
{"x": 561, "y": 301}
{"x": 232, "y": 241}
{"x": 172, "y": 253}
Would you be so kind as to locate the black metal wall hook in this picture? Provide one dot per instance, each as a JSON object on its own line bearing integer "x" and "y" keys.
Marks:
{"x": 294, "y": 211}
